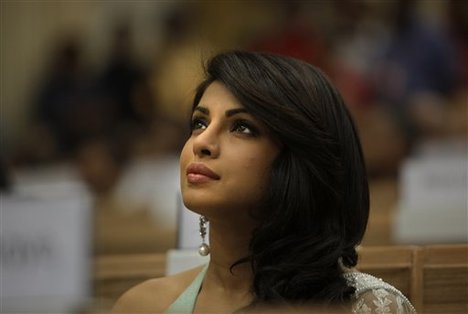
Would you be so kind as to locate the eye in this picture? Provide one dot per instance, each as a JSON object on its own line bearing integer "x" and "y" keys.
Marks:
{"x": 244, "y": 127}
{"x": 198, "y": 124}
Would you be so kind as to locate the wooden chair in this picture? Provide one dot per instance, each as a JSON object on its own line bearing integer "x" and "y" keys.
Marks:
{"x": 397, "y": 265}
{"x": 444, "y": 282}
{"x": 114, "y": 274}
{"x": 434, "y": 278}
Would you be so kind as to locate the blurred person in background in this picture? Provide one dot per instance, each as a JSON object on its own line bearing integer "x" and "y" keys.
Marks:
{"x": 457, "y": 117}
{"x": 64, "y": 99}
{"x": 398, "y": 72}
{"x": 112, "y": 159}
{"x": 417, "y": 75}
{"x": 122, "y": 82}
{"x": 125, "y": 86}
{"x": 358, "y": 40}
{"x": 5, "y": 175}
{"x": 458, "y": 30}
{"x": 103, "y": 163}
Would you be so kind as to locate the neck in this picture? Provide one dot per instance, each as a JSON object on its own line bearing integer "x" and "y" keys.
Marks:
{"x": 228, "y": 244}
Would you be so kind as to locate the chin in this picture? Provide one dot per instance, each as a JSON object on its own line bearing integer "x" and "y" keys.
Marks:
{"x": 195, "y": 209}
{"x": 195, "y": 203}
{"x": 203, "y": 205}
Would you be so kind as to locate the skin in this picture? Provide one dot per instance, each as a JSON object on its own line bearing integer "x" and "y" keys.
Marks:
{"x": 240, "y": 151}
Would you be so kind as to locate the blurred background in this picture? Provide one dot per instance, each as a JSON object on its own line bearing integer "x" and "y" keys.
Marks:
{"x": 95, "y": 99}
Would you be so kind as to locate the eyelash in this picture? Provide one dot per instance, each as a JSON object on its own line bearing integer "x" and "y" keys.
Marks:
{"x": 248, "y": 129}
{"x": 195, "y": 122}
{"x": 252, "y": 131}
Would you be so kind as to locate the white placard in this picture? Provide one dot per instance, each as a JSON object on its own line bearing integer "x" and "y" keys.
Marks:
{"x": 45, "y": 254}
{"x": 433, "y": 196}
{"x": 437, "y": 183}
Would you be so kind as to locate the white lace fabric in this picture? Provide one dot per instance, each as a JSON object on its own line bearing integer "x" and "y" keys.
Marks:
{"x": 373, "y": 295}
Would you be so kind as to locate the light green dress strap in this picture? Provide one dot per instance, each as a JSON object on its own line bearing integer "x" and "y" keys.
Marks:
{"x": 185, "y": 303}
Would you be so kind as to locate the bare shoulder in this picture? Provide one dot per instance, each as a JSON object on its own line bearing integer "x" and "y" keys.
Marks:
{"x": 155, "y": 295}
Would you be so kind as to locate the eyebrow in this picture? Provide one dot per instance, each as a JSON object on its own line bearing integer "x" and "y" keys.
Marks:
{"x": 228, "y": 113}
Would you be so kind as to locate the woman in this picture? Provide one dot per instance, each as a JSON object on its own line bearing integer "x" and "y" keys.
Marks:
{"x": 275, "y": 165}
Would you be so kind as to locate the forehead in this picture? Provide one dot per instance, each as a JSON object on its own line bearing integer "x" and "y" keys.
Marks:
{"x": 218, "y": 95}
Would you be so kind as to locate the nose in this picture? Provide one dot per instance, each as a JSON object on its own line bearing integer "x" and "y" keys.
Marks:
{"x": 206, "y": 144}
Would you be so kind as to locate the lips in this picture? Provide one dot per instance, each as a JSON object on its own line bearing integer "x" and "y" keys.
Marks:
{"x": 199, "y": 173}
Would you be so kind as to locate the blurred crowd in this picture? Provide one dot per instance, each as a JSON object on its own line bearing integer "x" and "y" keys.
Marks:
{"x": 402, "y": 73}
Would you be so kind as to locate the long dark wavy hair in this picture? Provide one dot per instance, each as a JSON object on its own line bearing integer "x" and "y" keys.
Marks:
{"x": 316, "y": 207}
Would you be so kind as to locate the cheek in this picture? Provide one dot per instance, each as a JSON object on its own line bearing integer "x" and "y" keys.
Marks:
{"x": 185, "y": 156}
{"x": 259, "y": 163}
{"x": 253, "y": 166}
{"x": 256, "y": 172}
{"x": 252, "y": 190}
{"x": 186, "y": 150}
{"x": 261, "y": 166}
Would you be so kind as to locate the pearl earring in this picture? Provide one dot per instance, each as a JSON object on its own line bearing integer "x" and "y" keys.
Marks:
{"x": 203, "y": 249}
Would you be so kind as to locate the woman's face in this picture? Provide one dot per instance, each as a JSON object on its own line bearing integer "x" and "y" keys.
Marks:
{"x": 225, "y": 163}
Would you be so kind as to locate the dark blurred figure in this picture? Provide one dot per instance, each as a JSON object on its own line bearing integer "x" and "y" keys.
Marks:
{"x": 5, "y": 176}
{"x": 63, "y": 97}
{"x": 101, "y": 162}
{"x": 358, "y": 40}
{"x": 458, "y": 25}
{"x": 73, "y": 106}
{"x": 458, "y": 112}
{"x": 123, "y": 85}
{"x": 418, "y": 73}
